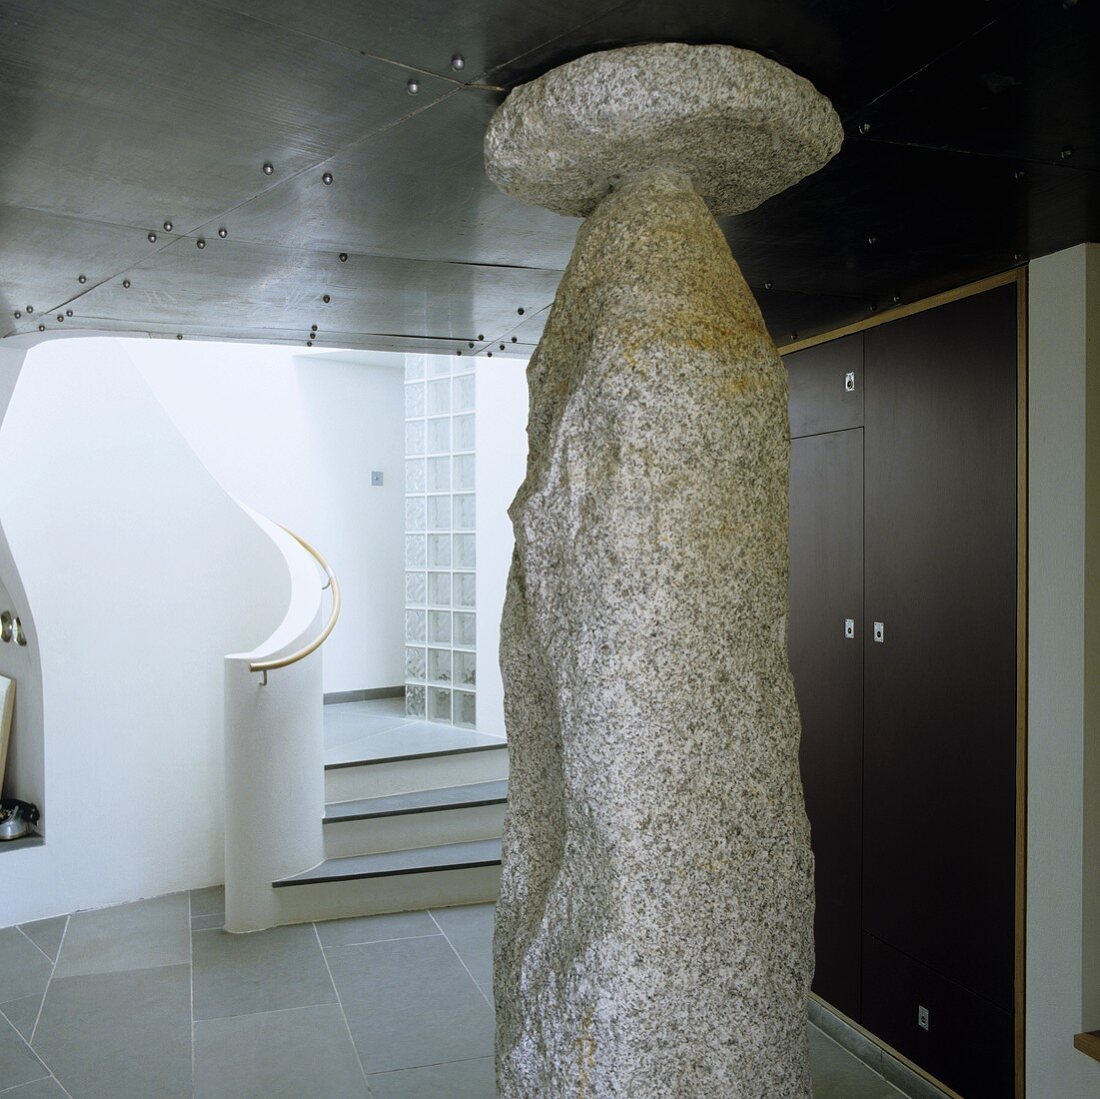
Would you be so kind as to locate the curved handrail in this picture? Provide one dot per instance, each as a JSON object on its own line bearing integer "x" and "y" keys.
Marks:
{"x": 266, "y": 666}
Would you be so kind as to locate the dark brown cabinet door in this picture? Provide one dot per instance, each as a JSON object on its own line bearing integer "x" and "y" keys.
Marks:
{"x": 939, "y": 688}
{"x": 826, "y": 592}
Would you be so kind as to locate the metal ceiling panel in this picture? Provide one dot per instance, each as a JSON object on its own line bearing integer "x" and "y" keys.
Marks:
{"x": 419, "y": 190}
{"x": 427, "y": 34}
{"x": 248, "y": 286}
{"x": 137, "y": 113}
{"x": 1027, "y": 88}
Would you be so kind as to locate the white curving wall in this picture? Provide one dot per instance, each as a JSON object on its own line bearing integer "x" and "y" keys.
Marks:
{"x": 141, "y": 574}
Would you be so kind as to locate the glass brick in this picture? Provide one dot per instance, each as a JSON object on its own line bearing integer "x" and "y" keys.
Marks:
{"x": 465, "y": 669}
{"x": 465, "y": 587}
{"x": 464, "y": 432}
{"x": 439, "y": 665}
{"x": 439, "y": 435}
{"x": 465, "y": 551}
{"x": 414, "y": 700}
{"x": 414, "y": 626}
{"x": 414, "y": 400}
{"x": 439, "y": 396}
{"x": 439, "y": 513}
{"x": 465, "y": 708}
{"x": 464, "y": 393}
{"x": 414, "y": 551}
{"x": 414, "y": 367}
{"x": 439, "y": 589}
{"x": 416, "y": 436}
{"x": 416, "y": 512}
{"x": 415, "y": 479}
{"x": 414, "y": 663}
{"x": 439, "y": 551}
{"x": 416, "y": 587}
{"x": 465, "y": 512}
{"x": 439, "y": 627}
{"x": 439, "y": 474}
{"x": 464, "y": 471}
{"x": 439, "y": 366}
{"x": 465, "y": 629}
{"x": 439, "y": 704}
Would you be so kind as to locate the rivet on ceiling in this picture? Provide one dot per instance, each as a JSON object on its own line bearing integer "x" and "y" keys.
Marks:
{"x": 167, "y": 226}
{"x": 865, "y": 127}
{"x": 897, "y": 298}
{"x": 68, "y": 312}
{"x": 60, "y": 317}
{"x": 413, "y": 85}
{"x": 481, "y": 335}
{"x": 18, "y": 314}
{"x": 309, "y": 343}
{"x": 458, "y": 62}
{"x": 268, "y": 168}
{"x": 152, "y": 238}
{"x": 179, "y": 335}
{"x": 313, "y": 327}
{"x": 1019, "y": 173}
{"x": 471, "y": 345}
{"x": 1017, "y": 256}
{"x": 41, "y": 328}
{"x": 82, "y": 279}
{"x": 458, "y": 351}
{"x": 794, "y": 335}
{"x": 223, "y": 232}
{"x": 515, "y": 339}
{"x": 769, "y": 284}
{"x": 873, "y": 307}
{"x": 520, "y": 310}
{"x": 502, "y": 347}
{"x": 30, "y": 310}
{"x": 343, "y": 257}
{"x": 872, "y": 239}
{"x": 200, "y": 243}
{"x": 326, "y": 178}
{"x": 489, "y": 353}
{"x": 1067, "y": 152}
{"x": 125, "y": 284}
{"x": 326, "y": 299}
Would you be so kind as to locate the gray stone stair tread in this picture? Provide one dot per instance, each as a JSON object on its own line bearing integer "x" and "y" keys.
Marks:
{"x": 420, "y": 860}
{"x": 427, "y": 753}
{"x": 420, "y": 801}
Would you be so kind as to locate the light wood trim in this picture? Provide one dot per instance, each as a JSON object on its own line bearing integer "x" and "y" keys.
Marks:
{"x": 972, "y": 288}
{"x": 266, "y": 666}
{"x": 1018, "y": 276}
{"x": 1088, "y": 1043}
{"x": 876, "y": 1040}
{"x": 1020, "y": 950}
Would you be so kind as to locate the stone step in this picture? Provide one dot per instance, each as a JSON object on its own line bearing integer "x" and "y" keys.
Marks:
{"x": 380, "y": 776}
{"x": 419, "y": 818}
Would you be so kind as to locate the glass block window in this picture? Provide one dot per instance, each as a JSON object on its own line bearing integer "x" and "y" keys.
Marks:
{"x": 440, "y": 516}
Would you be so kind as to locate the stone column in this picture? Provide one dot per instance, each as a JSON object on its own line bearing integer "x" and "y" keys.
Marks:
{"x": 654, "y": 932}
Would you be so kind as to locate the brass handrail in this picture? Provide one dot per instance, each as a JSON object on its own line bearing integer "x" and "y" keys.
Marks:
{"x": 266, "y": 666}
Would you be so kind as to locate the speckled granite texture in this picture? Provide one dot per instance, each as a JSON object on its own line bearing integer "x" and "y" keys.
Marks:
{"x": 742, "y": 127}
{"x": 654, "y": 932}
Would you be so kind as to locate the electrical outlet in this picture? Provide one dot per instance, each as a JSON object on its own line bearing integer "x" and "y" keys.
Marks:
{"x": 850, "y": 381}
{"x": 922, "y": 1017}
{"x": 376, "y": 478}
{"x": 849, "y": 627}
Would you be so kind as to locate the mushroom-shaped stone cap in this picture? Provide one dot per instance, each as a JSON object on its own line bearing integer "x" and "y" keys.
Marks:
{"x": 743, "y": 128}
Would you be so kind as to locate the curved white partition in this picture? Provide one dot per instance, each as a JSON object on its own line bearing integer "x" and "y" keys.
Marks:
{"x": 274, "y": 754}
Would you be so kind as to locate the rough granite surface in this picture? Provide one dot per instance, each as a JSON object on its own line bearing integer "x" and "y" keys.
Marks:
{"x": 742, "y": 127}
{"x": 654, "y": 931}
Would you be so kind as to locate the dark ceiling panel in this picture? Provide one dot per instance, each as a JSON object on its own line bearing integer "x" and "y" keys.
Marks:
{"x": 42, "y": 256}
{"x": 134, "y": 113}
{"x": 852, "y": 50}
{"x": 1026, "y": 88}
{"x": 419, "y": 190}
{"x": 249, "y": 286}
{"x": 428, "y": 33}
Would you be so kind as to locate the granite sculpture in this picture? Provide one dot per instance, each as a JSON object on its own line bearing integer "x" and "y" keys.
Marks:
{"x": 654, "y": 931}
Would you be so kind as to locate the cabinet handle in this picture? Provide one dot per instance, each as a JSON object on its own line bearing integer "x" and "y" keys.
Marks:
{"x": 880, "y": 633}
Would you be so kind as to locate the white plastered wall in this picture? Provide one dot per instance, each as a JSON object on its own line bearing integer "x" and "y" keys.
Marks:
{"x": 1063, "y": 851}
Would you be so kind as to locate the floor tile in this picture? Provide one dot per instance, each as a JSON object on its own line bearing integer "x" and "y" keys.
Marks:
{"x": 128, "y": 936}
{"x": 277, "y": 1054}
{"x": 46, "y": 934}
{"x": 410, "y": 1002}
{"x": 264, "y": 971}
{"x": 459, "y": 1080}
{"x": 47, "y": 1088}
{"x": 119, "y": 1035}
{"x": 18, "y": 1065}
{"x": 22, "y": 1014}
{"x": 470, "y": 931}
{"x": 839, "y": 1075}
{"x": 24, "y": 970}
{"x": 208, "y": 901}
{"x": 372, "y": 929}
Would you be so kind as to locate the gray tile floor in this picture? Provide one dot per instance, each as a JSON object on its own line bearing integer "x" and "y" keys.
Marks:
{"x": 379, "y": 727}
{"x": 153, "y": 1001}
